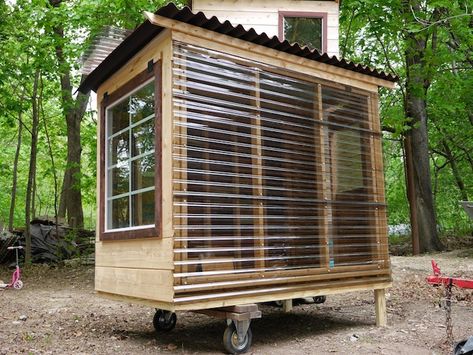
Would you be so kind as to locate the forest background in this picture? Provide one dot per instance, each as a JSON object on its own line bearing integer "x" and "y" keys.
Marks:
{"x": 48, "y": 130}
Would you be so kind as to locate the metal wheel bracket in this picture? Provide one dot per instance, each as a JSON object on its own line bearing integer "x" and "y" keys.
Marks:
{"x": 242, "y": 328}
{"x": 241, "y": 317}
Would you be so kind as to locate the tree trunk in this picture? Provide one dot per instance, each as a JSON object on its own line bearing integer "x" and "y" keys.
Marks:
{"x": 417, "y": 84}
{"x": 422, "y": 189}
{"x": 32, "y": 170}
{"x": 61, "y": 213}
{"x": 75, "y": 216}
{"x": 467, "y": 156}
{"x": 410, "y": 182}
{"x": 74, "y": 110}
{"x": 15, "y": 174}
{"x": 53, "y": 165}
{"x": 455, "y": 171}
{"x": 33, "y": 192}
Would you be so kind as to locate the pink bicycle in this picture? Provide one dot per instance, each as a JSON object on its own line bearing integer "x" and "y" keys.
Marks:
{"x": 16, "y": 282}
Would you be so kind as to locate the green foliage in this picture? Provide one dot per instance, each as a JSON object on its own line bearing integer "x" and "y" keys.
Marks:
{"x": 372, "y": 32}
{"x": 379, "y": 34}
{"x": 28, "y": 43}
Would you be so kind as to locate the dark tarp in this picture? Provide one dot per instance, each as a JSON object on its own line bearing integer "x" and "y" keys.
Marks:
{"x": 48, "y": 243}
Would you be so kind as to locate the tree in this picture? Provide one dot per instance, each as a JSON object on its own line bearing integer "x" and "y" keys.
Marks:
{"x": 418, "y": 81}
{"x": 32, "y": 169}
{"x": 15, "y": 174}
{"x": 412, "y": 39}
{"x": 73, "y": 110}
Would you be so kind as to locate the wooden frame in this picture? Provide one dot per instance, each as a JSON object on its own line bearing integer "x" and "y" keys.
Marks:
{"x": 154, "y": 70}
{"x": 228, "y": 278}
{"x": 308, "y": 14}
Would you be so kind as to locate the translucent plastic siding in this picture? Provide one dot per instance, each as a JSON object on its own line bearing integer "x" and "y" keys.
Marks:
{"x": 271, "y": 172}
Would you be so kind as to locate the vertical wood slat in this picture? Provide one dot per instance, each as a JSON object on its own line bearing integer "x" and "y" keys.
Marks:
{"x": 181, "y": 140}
{"x": 257, "y": 172}
{"x": 330, "y": 183}
{"x": 323, "y": 194}
{"x": 381, "y": 216}
{"x": 166, "y": 142}
{"x": 373, "y": 186}
{"x": 163, "y": 155}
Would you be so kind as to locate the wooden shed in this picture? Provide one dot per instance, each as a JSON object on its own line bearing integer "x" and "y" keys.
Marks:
{"x": 234, "y": 169}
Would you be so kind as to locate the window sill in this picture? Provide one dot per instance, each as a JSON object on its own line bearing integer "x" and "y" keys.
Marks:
{"x": 143, "y": 233}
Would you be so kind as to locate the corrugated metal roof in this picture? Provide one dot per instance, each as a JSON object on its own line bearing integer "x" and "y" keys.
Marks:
{"x": 147, "y": 31}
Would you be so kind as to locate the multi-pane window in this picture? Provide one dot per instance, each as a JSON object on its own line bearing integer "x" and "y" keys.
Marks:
{"x": 305, "y": 30}
{"x": 130, "y": 160}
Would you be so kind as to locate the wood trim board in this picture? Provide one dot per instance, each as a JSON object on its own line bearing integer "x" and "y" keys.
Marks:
{"x": 107, "y": 100}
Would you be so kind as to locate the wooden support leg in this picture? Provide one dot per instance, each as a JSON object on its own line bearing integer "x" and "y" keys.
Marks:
{"x": 287, "y": 305}
{"x": 380, "y": 304}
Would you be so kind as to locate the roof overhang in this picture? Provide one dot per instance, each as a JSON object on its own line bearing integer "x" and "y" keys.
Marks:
{"x": 184, "y": 20}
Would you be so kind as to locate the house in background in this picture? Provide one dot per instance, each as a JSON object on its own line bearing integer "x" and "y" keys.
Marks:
{"x": 311, "y": 23}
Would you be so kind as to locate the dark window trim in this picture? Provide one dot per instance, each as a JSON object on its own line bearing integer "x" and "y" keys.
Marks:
{"x": 322, "y": 15}
{"x": 156, "y": 230}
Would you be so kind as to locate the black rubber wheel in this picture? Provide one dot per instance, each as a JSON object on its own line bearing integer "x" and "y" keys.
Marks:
{"x": 320, "y": 299}
{"x": 458, "y": 348}
{"x": 231, "y": 343}
{"x": 163, "y": 323}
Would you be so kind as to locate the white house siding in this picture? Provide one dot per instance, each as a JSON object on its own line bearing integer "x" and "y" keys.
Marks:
{"x": 262, "y": 15}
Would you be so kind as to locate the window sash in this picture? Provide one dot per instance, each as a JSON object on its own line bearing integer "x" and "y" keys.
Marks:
{"x": 109, "y": 221}
{"x": 301, "y": 14}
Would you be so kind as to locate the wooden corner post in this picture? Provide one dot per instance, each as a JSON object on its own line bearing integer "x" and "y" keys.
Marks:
{"x": 380, "y": 306}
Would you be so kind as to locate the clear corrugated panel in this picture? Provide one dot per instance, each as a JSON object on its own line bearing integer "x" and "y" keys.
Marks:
{"x": 270, "y": 172}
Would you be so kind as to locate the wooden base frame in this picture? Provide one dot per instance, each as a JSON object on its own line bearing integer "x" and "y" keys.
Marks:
{"x": 378, "y": 288}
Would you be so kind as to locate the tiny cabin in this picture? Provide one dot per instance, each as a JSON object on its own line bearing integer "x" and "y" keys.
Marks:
{"x": 235, "y": 168}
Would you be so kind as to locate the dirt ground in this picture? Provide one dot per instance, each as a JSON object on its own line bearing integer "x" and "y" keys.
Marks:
{"x": 64, "y": 316}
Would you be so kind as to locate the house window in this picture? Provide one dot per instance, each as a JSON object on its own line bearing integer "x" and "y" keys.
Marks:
{"x": 306, "y": 28}
{"x": 130, "y": 161}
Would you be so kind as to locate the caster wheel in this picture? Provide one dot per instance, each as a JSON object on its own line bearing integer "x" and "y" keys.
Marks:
{"x": 458, "y": 348}
{"x": 18, "y": 285}
{"x": 231, "y": 343}
{"x": 164, "y": 320}
{"x": 463, "y": 347}
{"x": 278, "y": 304}
{"x": 320, "y": 299}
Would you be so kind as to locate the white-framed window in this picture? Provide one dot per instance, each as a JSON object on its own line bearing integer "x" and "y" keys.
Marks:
{"x": 130, "y": 160}
{"x": 306, "y": 28}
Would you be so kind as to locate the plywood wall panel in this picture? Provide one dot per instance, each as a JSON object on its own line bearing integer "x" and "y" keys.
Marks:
{"x": 149, "y": 284}
{"x": 138, "y": 254}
